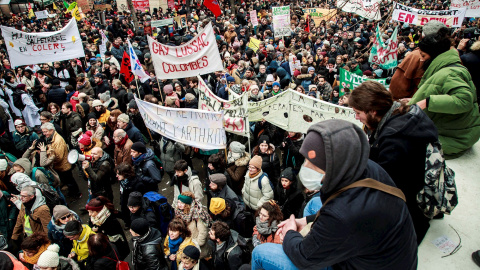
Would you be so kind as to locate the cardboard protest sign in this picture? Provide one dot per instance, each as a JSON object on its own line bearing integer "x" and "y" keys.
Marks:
{"x": 121, "y": 5}
{"x": 281, "y": 21}
{"x": 472, "y": 6}
{"x": 451, "y": 18}
{"x": 254, "y": 44}
{"x": 319, "y": 14}
{"x": 235, "y": 118}
{"x": 253, "y": 17}
{"x": 369, "y": 9}
{"x": 85, "y": 5}
{"x": 192, "y": 127}
{"x": 34, "y": 48}
{"x": 161, "y": 23}
{"x": 196, "y": 57}
{"x": 181, "y": 21}
{"x": 351, "y": 81}
{"x": 141, "y": 4}
{"x": 41, "y": 14}
{"x": 385, "y": 55}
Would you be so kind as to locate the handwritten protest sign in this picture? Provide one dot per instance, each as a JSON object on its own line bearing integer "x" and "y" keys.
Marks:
{"x": 196, "y": 57}
{"x": 281, "y": 21}
{"x": 121, "y": 5}
{"x": 385, "y": 55}
{"x": 34, "y": 48}
{"x": 235, "y": 118}
{"x": 253, "y": 17}
{"x": 472, "y": 6}
{"x": 254, "y": 44}
{"x": 351, "y": 81}
{"x": 369, "y": 9}
{"x": 181, "y": 21}
{"x": 161, "y": 23}
{"x": 451, "y": 18}
{"x": 319, "y": 14}
{"x": 192, "y": 127}
{"x": 41, "y": 14}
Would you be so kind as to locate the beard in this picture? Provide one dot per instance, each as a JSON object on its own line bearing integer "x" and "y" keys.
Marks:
{"x": 426, "y": 64}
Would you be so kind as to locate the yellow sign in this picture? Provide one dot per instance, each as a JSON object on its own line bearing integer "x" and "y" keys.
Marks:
{"x": 31, "y": 14}
{"x": 254, "y": 44}
{"x": 76, "y": 14}
{"x": 319, "y": 14}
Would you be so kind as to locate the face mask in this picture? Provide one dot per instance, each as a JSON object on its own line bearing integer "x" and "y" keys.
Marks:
{"x": 311, "y": 179}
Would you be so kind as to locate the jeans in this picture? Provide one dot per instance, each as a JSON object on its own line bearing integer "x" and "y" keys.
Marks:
{"x": 271, "y": 256}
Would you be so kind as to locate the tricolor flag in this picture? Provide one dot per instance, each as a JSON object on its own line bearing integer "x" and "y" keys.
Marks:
{"x": 137, "y": 68}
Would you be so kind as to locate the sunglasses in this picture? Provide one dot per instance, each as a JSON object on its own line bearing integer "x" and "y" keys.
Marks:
{"x": 65, "y": 217}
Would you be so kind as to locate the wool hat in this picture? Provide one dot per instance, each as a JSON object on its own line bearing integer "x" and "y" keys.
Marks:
{"x": 3, "y": 164}
{"x": 256, "y": 161}
{"x": 311, "y": 69}
{"x": 147, "y": 55}
{"x": 49, "y": 257}
{"x": 139, "y": 147}
{"x": 20, "y": 122}
{"x": 124, "y": 118}
{"x": 237, "y": 147}
{"x": 276, "y": 84}
{"x": 311, "y": 86}
{"x": 55, "y": 82}
{"x": 313, "y": 149}
{"x": 104, "y": 96}
{"x": 91, "y": 115}
{"x": 326, "y": 42}
{"x": 219, "y": 179}
{"x": 432, "y": 27}
{"x": 367, "y": 73}
{"x": 270, "y": 78}
{"x": 253, "y": 87}
{"x": 185, "y": 199}
{"x": 288, "y": 174}
{"x": 140, "y": 226}
{"x": 230, "y": 79}
{"x": 86, "y": 138}
{"x": 263, "y": 139}
{"x": 135, "y": 199}
{"x": 192, "y": 252}
{"x": 379, "y": 72}
{"x": 60, "y": 211}
{"x": 189, "y": 97}
{"x": 132, "y": 104}
{"x": 73, "y": 227}
{"x": 217, "y": 205}
{"x": 96, "y": 103}
{"x": 168, "y": 89}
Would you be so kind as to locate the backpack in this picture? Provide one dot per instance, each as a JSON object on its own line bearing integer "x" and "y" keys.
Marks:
{"x": 439, "y": 194}
{"x": 17, "y": 100}
{"x": 51, "y": 196}
{"x": 159, "y": 165}
{"x": 246, "y": 252}
{"x": 269, "y": 181}
{"x": 158, "y": 204}
{"x": 48, "y": 174}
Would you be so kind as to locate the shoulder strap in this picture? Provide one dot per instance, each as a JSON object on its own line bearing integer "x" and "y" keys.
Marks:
{"x": 260, "y": 181}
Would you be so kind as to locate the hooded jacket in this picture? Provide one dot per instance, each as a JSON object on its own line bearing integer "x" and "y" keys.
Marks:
{"x": 290, "y": 200}
{"x": 70, "y": 123}
{"x": 171, "y": 151}
{"x": 252, "y": 195}
{"x": 362, "y": 228}
{"x": 232, "y": 260}
{"x": 39, "y": 217}
{"x": 147, "y": 171}
{"x": 148, "y": 253}
{"x": 80, "y": 246}
{"x": 56, "y": 236}
{"x": 134, "y": 133}
{"x": 194, "y": 185}
{"x": 46, "y": 161}
{"x": 237, "y": 171}
{"x": 58, "y": 145}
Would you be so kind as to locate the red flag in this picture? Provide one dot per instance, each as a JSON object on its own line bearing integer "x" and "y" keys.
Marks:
{"x": 126, "y": 68}
{"x": 307, "y": 29}
{"x": 213, "y": 6}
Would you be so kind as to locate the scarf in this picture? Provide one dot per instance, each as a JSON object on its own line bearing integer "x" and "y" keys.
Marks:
{"x": 395, "y": 106}
{"x": 138, "y": 160}
{"x": 255, "y": 174}
{"x": 276, "y": 93}
{"x": 28, "y": 205}
{"x": 123, "y": 141}
{"x": 264, "y": 229}
{"x": 181, "y": 181}
{"x": 100, "y": 218}
{"x": 174, "y": 245}
{"x": 34, "y": 258}
{"x": 197, "y": 211}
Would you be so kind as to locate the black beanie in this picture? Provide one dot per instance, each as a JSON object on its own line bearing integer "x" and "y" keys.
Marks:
{"x": 263, "y": 139}
{"x": 140, "y": 226}
{"x": 435, "y": 44}
{"x": 139, "y": 147}
{"x": 91, "y": 115}
{"x": 135, "y": 199}
{"x": 288, "y": 174}
{"x": 192, "y": 252}
{"x": 313, "y": 149}
{"x": 73, "y": 227}
{"x": 132, "y": 104}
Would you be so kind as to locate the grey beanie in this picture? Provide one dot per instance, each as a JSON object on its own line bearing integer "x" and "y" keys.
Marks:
{"x": 237, "y": 147}
{"x": 432, "y": 27}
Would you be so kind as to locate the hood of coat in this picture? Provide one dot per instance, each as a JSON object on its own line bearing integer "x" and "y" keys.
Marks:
{"x": 66, "y": 263}
{"x": 39, "y": 200}
{"x": 304, "y": 76}
{"x": 21, "y": 180}
{"x": 346, "y": 149}
{"x": 243, "y": 161}
{"x": 25, "y": 164}
{"x": 445, "y": 59}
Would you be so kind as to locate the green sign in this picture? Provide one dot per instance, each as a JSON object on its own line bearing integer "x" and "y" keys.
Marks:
{"x": 351, "y": 81}
{"x": 383, "y": 54}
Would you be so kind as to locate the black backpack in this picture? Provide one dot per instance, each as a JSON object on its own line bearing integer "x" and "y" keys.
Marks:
{"x": 51, "y": 196}
{"x": 17, "y": 100}
{"x": 246, "y": 252}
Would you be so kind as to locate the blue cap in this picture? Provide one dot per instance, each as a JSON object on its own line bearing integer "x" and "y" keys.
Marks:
{"x": 311, "y": 68}
{"x": 230, "y": 79}
{"x": 276, "y": 84}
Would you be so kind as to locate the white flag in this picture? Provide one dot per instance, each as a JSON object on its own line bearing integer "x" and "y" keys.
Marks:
{"x": 137, "y": 68}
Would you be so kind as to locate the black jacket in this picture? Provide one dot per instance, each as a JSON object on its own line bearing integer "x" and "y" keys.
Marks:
{"x": 101, "y": 88}
{"x": 100, "y": 175}
{"x": 289, "y": 200}
{"x": 118, "y": 94}
{"x": 148, "y": 254}
{"x": 57, "y": 95}
{"x": 107, "y": 262}
{"x": 112, "y": 228}
{"x": 291, "y": 155}
{"x": 133, "y": 133}
{"x": 228, "y": 260}
{"x": 70, "y": 123}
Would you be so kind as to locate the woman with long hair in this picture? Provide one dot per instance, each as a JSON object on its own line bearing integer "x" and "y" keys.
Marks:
{"x": 179, "y": 237}
{"x": 110, "y": 127}
{"x": 54, "y": 109}
{"x": 102, "y": 255}
{"x": 32, "y": 247}
{"x": 267, "y": 219}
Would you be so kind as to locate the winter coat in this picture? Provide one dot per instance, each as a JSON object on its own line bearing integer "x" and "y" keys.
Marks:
{"x": 270, "y": 162}
{"x": 147, "y": 171}
{"x": 291, "y": 155}
{"x": 58, "y": 145}
{"x": 80, "y": 247}
{"x": 170, "y": 153}
{"x": 30, "y": 112}
{"x": 71, "y": 123}
{"x": 406, "y": 78}
{"x": 56, "y": 236}
{"x": 104, "y": 117}
{"x": 97, "y": 132}
{"x": 237, "y": 171}
{"x": 100, "y": 174}
{"x": 57, "y": 95}
{"x": 112, "y": 228}
{"x": 452, "y": 105}
{"x": 8, "y": 215}
{"x": 133, "y": 133}
{"x": 24, "y": 141}
{"x": 122, "y": 155}
{"x": 232, "y": 260}
{"x": 107, "y": 262}
{"x": 101, "y": 88}
{"x": 252, "y": 195}
{"x": 289, "y": 200}
{"x": 186, "y": 242}
{"x": 304, "y": 80}
{"x": 86, "y": 88}
{"x": 39, "y": 217}
{"x": 194, "y": 185}
{"x": 148, "y": 254}
{"x": 199, "y": 231}
{"x": 118, "y": 95}
{"x": 118, "y": 53}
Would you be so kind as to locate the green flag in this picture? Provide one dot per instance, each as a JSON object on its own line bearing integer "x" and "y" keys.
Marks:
{"x": 65, "y": 4}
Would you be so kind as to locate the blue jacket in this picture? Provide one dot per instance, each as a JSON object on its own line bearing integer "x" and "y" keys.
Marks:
{"x": 56, "y": 236}
{"x": 134, "y": 133}
{"x": 57, "y": 95}
{"x": 147, "y": 171}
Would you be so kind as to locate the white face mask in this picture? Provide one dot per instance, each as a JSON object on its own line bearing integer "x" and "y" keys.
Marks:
{"x": 310, "y": 179}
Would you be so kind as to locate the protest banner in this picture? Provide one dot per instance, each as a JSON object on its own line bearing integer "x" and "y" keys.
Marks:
{"x": 121, "y": 5}
{"x": 85, "y": 5}
{"x": 296, "y": 112}
{"x": 41, "y": 14}
{"x": 136, "y": 66}
{"x": 161, "y": 23}
{"x": 281, "y": 21}
{"x": 369, "y": 9}
{"x": 254, "y": 44}
{"x": 141, "y": 4}
{"x": 351, "y": 81}
{"x": 235, "y": 111}
{"x": 253, "y": 17}
{"x": 196, "y": 57}
{"x": 34, "y": 48}
{"x": 181, "y": 21}
{"x": 294, "y": 65}
{"x": 385, "y": 55}
{"x": 126, "y": 68}
{"x": 406, "y": 14}
{"x": 200, "y": 129}
{"x": 319, "y": 14}
{"x": 472, "y": 6}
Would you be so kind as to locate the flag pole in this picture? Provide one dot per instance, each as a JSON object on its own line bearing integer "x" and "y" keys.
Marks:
{"x": 160, "y": 90}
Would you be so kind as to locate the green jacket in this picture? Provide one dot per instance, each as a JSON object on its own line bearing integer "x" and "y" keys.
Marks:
{"x": 8, "y": 215}
{"x": 453, "y": 103}
{"x": 357, "y": 70}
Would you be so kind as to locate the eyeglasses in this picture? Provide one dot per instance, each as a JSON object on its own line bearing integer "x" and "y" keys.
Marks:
{"x": 65, "y": 217}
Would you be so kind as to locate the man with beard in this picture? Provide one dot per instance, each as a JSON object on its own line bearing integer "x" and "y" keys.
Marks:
{"x": 70, "y": 120}
{"x": 123, "y": 145}
{"x": 99, "y": 174}
{"x": 399, "y": 135}
{"x": 101, "y": 86}
{"x": 219, "y": 188}
{"x": 148, "y": 63}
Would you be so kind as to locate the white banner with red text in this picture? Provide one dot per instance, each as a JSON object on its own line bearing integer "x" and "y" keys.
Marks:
{"x": 196, "y": 57}
{"x": 35, "y": 48}
{"x": 406, "y": 14}
{"x": 472, "y": 6}
{"x": 369, "y": 9}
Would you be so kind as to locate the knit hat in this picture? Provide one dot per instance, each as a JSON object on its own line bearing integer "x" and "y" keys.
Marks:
{"x": 135, "y": 199}
{"x": 3, "y": 164}
{"x": 367, "y": 73}
{"x": 20, "y": 122}
{"x": 170, "y": 101}
{"x": 256, "y": 161}
{"x": 140, "y": 226}
{"x": 311, "y": 69}
{"x": 432, "y": 27}
{"x": 185, "y": 199}
{"x": 379, "y": 72}
{"x": 237, "y": 147}
{"x": 217, "y": 205}
{"x": 192, "y": 252}
{"x": 288, "y": 174}
{"x": 270, "y": 78}
{"x": 147, "y": 55}
{"x": 82, "y": 95}
{"x": 60, "y": 211}
{"x": 313, "y": 149}
{"x": 168, "y": 89}
{"x": 230, "y": 79}
{"x": 49, "y": 257}
{"x": 263, "y": 139}
{"x": 296, "y": 73}
{"x": 73, "y": 227}
{"x": 132, "y": 104}
{"x": 123, "y": 118}
{"x": 86, "y": 138}
{"x": 91, "y": 115}
{"x": 96, "y": 103}
{"x": 311, "y": 86}
{"x": 139, "y": 147}
{"x": 104, "y": 96}
{"x": 276, "y": 84}
{"x": 219, "y": 179}
{"x": 189, "y": 97}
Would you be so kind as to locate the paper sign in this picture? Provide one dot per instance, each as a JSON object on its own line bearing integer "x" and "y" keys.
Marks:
{"x": 41, "y": 14}
{"x": 351, "y": 81}
{"x": 254, "y": 44}
{"x": 253, "y": 17}
{"x": 281, "y": 21}
{"x": 444, "y": 244}
{"x": 369, "y": 9}
{"x": 161, "y": 23}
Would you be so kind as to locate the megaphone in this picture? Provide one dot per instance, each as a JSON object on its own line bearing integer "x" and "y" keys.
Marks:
{"x": 74, "y": 156}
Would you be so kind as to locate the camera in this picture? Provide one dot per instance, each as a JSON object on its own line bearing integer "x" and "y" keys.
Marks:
{"x": 471, "y": 33}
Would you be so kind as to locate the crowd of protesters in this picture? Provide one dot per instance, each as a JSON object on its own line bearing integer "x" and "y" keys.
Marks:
{"x": 262, "y": 203}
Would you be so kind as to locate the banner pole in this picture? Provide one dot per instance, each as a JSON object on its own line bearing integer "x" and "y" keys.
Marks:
{"x": 138, "y": 91}
{"x": 160, "y": 90}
